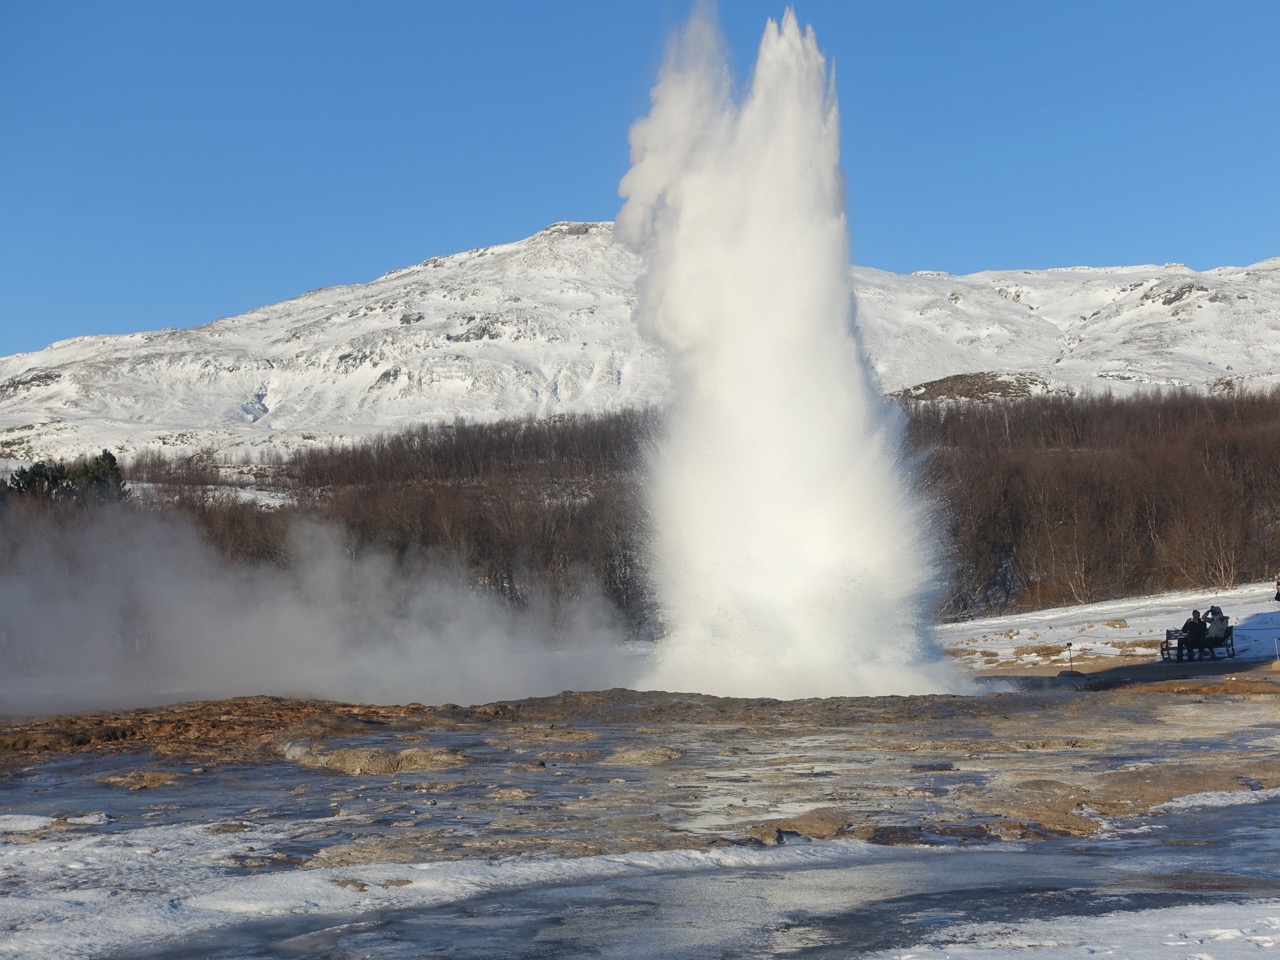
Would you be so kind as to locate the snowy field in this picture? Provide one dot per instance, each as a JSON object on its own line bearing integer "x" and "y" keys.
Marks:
{"x": 1103, "y": 634}
{"x": 90, "y": 870}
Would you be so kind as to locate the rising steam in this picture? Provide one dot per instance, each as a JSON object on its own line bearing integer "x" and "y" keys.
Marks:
{"x": 123, "y": 608}
{"x": 789, "y": 548}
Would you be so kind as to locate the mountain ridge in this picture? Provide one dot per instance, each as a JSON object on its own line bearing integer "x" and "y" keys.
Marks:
{"x": 542, "y": 326}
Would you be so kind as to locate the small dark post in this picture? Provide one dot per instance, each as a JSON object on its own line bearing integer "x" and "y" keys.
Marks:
{"x": 1069, "y": 664}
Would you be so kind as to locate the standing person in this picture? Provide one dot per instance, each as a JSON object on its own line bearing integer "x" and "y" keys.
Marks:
{"x": 1192, "y": 639}
{"x": 1278, "y": 588}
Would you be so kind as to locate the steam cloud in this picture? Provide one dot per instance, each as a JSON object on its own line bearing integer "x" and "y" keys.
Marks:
{"x": 123, "y": 608}
{"x": 789, "y": 547}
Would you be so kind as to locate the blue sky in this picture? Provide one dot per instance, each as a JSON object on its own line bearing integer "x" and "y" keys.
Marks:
{"x": 169, "y": 163}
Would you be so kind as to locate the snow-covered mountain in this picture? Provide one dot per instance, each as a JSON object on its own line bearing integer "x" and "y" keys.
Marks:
{"x": 543, "y": 326}
{"x": 1075, "y": 329}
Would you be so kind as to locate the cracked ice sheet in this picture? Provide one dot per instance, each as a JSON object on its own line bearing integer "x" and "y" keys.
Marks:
{"x": 95, "y": 894}
{"x": 104, "y": 893}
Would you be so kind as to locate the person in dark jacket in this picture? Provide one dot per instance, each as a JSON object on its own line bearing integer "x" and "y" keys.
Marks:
{"x": 1193, "y": 636}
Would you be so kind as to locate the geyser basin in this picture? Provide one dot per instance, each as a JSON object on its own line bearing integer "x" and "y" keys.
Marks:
{"x": 788, "y": 544}
{"x": 789, "y": 555}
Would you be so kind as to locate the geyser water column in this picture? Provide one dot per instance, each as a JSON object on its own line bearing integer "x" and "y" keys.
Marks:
{"x": 789, "y": 554}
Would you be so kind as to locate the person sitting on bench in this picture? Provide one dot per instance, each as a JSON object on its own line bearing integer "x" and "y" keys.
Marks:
{"x": 1194, "y": 632}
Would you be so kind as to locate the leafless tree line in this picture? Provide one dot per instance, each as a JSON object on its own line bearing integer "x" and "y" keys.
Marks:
{"x": 1042, "y": 501}
{"x": 1059, "y": 500}
{"x": 525, "y": 507}
{"x": 555, "y": 450}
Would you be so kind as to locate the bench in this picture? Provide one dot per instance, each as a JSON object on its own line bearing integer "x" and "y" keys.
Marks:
{"x": 1225, "y": 643}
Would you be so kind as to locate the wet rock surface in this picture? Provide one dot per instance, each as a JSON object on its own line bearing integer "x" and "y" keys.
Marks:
{"x": 616, "y": 771}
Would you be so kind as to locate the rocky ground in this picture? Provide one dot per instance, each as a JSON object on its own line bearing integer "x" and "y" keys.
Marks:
{"x": 618, "y": 771}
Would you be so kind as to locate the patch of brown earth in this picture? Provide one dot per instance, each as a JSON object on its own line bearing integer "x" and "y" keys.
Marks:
{"x": 141, "y": 779}
{"x": 643, "y": 756}
{"x": 244, "y": 729}
{"x": 372, "y": 761}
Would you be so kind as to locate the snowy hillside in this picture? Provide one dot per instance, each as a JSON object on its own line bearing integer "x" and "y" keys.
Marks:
{"x": 531, "y": 328}
{"x": 543, "y": 326}
{"x": 1078, "y": 328}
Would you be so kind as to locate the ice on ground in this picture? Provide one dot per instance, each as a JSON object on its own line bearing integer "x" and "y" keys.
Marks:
{"x": 1130, "y": 627}
{"x": 1198, "y": 932}
{"x": 168, "y": 890}
{"x": 17, "y": 823}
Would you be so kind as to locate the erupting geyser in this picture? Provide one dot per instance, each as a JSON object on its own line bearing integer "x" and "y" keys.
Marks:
{"x": 788, "y": 546}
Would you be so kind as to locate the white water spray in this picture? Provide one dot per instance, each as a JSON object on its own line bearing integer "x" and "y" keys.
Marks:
{"x": 790, "y": 557}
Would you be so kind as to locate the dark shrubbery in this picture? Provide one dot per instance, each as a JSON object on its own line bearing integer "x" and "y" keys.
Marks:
{"x": 88, "y": 481}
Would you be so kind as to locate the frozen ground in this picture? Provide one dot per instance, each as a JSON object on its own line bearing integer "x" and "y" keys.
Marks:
{"x": 1105, "y": 635}
{"x": 168, "y": 891}
{"x": 1199, "y": 880}
{"x": 1138, "y": 821}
